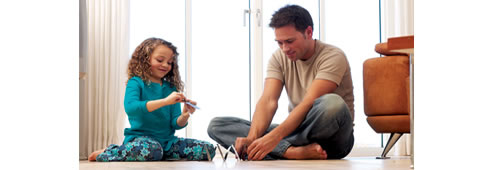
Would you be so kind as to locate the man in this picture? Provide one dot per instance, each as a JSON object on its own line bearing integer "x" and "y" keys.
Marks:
{"x": 319, "y": 86}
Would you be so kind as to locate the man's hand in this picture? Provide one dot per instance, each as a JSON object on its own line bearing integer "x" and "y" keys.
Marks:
{"x": 262, "y": 146}
{"x": 241, "y": 144}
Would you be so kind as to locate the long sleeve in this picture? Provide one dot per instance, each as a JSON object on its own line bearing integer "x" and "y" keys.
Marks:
{"x": 133, "y": 103}
{"x": 159, "y": 124}
{"x": 176, "y": 112}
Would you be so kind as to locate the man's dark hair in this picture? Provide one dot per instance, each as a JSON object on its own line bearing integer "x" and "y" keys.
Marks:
{"x": 292, "y": 14}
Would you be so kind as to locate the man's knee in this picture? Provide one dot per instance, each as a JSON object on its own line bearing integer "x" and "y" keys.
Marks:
{"x": 213, "y": 125}
{"x": 332, "y": 107}
{"x": 331, "y": 103}
{"x": 217, "y": 123}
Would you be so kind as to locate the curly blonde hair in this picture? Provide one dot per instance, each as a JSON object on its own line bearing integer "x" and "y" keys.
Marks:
{"x": 139, "y": 64}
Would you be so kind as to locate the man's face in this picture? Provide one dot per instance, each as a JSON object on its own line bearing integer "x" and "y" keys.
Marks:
{"x": 294, "y": 44}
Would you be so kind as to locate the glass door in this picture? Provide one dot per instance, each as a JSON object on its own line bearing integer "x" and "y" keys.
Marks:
{"x": 219, "y": 62}
{"x": 354, "y": 28}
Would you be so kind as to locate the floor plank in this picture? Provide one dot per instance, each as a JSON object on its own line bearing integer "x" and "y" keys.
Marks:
{"x": 349, "y": 163}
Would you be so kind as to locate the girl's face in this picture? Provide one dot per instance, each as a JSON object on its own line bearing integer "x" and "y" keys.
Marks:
{"x": 161, "y": 61}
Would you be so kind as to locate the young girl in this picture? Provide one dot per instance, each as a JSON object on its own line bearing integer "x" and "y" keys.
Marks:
{"x": 152, "y": 103}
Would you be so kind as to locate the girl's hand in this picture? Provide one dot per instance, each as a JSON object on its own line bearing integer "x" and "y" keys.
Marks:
{"x": 185, "y": 114}
{"x": 174, "y": 98}
{"x": 187, "y": 108}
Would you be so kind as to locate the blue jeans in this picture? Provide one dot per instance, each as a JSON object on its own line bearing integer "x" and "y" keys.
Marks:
{"x": 328, "y": 123}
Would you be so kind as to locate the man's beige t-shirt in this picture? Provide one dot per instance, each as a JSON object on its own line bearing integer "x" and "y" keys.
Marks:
{"x": 327, "y": 63}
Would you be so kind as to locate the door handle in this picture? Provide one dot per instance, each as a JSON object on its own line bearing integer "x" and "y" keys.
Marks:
{"x": 245, "y": 13}
{"x": 258, "y": 17}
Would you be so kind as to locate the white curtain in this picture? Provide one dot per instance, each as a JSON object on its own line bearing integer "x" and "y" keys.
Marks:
{"x": 397, "y": 20}
{"x": 102, "y": 116}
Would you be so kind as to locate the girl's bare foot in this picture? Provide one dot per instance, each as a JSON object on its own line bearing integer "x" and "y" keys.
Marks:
{"x": 94, "y": 154}
{"x": 311, "y": 151}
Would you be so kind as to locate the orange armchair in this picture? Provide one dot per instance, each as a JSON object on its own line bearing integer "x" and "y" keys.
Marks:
{"x": 386, "y": 94}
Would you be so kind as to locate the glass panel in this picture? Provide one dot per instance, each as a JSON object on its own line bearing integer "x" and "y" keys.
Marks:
{"x": 269, "y": 44}
{"x": 219, "y": 63}
{"x": 150, "y": 18}
{"x": 354, "y": 28}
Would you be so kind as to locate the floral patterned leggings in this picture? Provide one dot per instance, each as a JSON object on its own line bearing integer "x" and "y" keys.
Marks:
{"x": 147, "y": 149}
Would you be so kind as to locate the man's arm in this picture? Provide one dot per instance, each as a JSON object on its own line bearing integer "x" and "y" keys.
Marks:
{"x": 261, "y": 147}
{"x": 265, "y": 108}
{"x": 295, "y": 118}
{"x": 264, "y": 112}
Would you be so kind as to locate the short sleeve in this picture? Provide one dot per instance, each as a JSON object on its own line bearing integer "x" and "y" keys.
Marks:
{"x": 274, "y": 68}
{"x": 332, "y": 66}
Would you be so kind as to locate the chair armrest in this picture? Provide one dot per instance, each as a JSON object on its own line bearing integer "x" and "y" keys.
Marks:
{"x": 382, "y": 48}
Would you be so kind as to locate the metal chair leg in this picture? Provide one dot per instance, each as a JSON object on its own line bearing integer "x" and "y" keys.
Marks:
{"x": 393, "y": 139}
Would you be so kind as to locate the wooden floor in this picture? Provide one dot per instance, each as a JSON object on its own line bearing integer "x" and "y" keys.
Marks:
{"x": 348, "y": 163}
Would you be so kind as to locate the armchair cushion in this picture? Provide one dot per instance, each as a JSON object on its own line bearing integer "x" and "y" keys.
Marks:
{"x": 386, "y": 86}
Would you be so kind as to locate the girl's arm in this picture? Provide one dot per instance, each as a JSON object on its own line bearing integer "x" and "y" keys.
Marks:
{"x": 173, "y": 98}
{"x": 133, "y": 104}
{"x": 182, "y": 117}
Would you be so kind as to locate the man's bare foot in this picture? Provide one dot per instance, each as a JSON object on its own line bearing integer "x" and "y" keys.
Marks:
{"x": 94, "y": 154}
{"x": 311, "y": 151}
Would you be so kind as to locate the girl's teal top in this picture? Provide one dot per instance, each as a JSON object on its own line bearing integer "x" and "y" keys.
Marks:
{"x": 159, "y": 124}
